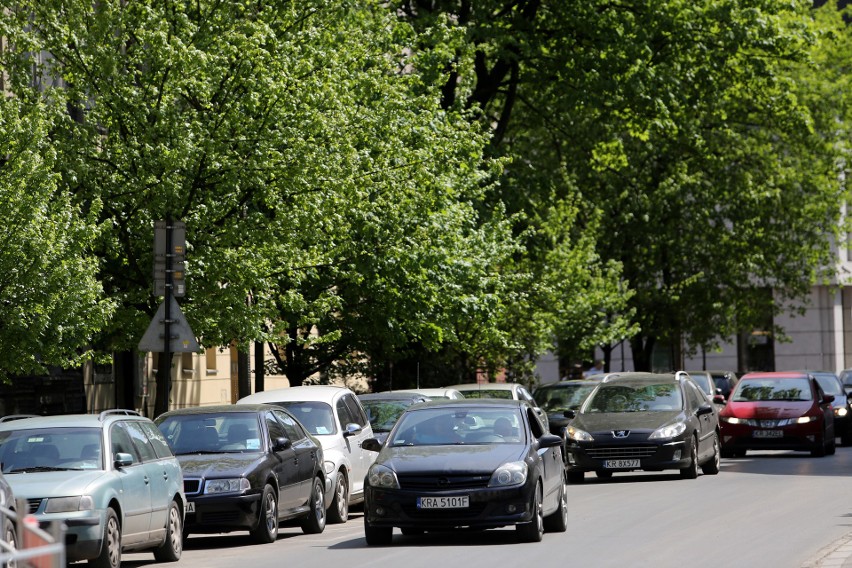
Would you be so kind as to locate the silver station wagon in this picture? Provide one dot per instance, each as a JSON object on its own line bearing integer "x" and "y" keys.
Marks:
{"x": 110, "y": 477}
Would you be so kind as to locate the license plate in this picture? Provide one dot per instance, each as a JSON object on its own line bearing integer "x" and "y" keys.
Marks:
{"x": 190, "y": 507}
{"x": 460, "y": 502}
{"x": 768, "y": 434}
{"x": 620, "y": 464}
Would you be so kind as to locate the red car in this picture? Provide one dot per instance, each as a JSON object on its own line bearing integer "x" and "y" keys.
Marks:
{"x": 777, "y": 411}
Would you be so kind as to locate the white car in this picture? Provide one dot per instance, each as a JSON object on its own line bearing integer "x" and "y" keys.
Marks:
{"x": 512, "y": 391}
{"x": 436, "y": 394}
{"x": 336, "y": 418}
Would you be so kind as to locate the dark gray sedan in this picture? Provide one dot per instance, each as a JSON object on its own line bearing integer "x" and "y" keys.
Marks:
{"x": 466, "y": 463}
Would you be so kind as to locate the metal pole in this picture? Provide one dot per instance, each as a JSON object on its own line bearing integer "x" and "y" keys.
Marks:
{"x": 167, "y": 335}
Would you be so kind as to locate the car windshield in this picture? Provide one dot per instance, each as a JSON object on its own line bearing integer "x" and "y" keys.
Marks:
{"x": 488, "y": 393}
{"x": 451, "y": 426}
{"x": 752, "y": 390}
{"x": 830, "y": 385}
{"x": 212, "y": 433}
{"x": 383, "y": 414}
{"x": 657, "y": 397}
{"x": 50, "y": 449}
{"x": 562, "y": 397}
{"x": 316, "y": 417}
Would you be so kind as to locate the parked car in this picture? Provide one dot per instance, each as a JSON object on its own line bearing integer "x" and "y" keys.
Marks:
{"x": 778, "y": 411}
{"x": 335, "y": 417}
{"x": 830, "y": 384}
{"x": 644, "y": 421}
{"x": 10, "y": 507}
{"x": 512, "y": 391}
{"x": 110, "y": 477}
{"x": 246, "y": 467}
{"x": 436, "y": 393}
{"x": 556, "y": 398}
{"x": 384, "y": 409}
{"x": 467, "y": 463}
{"x": 725, "y": 382}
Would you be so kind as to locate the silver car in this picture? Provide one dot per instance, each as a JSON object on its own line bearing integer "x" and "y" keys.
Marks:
{"x": 111, "y": 478}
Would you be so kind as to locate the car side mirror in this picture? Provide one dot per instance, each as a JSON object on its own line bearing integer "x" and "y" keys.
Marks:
{"x": 123, "y": 460}
{"x": 570, "y": 414}
{"x": 282, "y": 443}
{"x": 704, "y": 409}
{"x": 550, "y": 441}
{"x": 351, "y": 430}
{"x": 371, "y": 444}
{"x": 827, "y": 399}
{"x": 720, "y": 399}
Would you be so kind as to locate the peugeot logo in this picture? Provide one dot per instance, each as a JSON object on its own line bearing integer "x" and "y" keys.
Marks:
{"x": 443, "y": 481}
{"x": 620, "y": 433}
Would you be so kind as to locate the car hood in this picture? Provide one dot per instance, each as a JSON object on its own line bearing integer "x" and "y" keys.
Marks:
{"x": 767, "y": 409}
{"x": 457, "y": 459}
{"x": 216, "y": 465}
{"x": 53, "y": 483}
{"x": 608, "y": 421}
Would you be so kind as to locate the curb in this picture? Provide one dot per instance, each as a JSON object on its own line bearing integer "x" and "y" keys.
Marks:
{"x": 835, "y": 555}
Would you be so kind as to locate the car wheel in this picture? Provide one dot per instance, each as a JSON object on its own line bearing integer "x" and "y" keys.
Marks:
{"x": 110, "y": 556}
{"x": 691, "y": 471}
{"x": 338, "y": 512}
{"x": 576, "y": 476}
{"x": 558, "y": 521}
{"x": 267, "y": 518}
{"x": 820, "y": 449}
{"x": 314, "y": 523}
{"x": 533, "y": 531}
{"x": 712, "y": 467}
{"x": 603, "y": 474}
{"x": 10, "y": 535}
{"x": 377, "y": 536}
{"x": 172, "y": 547}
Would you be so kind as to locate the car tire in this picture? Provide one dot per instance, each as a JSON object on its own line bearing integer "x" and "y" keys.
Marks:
{"x": 603, "y": 473}
{"x": 338, "y": 512}
{"x": 820, "y": 449}
{"x": 533, "y": 531}
{"x": 576, "y": 476}
{"x": 266, "y": 530}
{"x": 314, "y": 523}
{"x": 377, "y": 536}
{"x": 110, "y": 555}
{"x": 712, "y": 466}
{"x": 832, "y": 447}
{"x": 558, "y": 520}
{"x": 172, "y": 547}
{"x": 691, "y": 471}
{"x": 10, "y": 536}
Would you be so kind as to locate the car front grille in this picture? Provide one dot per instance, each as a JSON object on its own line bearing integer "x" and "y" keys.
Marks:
{"x": 444, "y": 482}
{"x": 621, "y": 452}
{"x": 33, "y": 505}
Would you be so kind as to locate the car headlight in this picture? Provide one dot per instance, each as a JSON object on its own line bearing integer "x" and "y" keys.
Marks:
{"x": 803, "y": 419}
{"x": 70, "y": 504}
{"x": 670, "y": 431}
{"x": 382, "y": 476}
{"x": 579, "y": 435}
{"x": 512, "y": 473}
{"x": 328, "y": 466}
{"x": 840, "y": 411}
{"x": 731, "y": 419}
{"x": 226, "y": 485}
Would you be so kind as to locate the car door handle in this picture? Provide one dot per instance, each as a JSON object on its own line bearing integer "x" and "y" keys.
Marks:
{"x": 147, "y": 481}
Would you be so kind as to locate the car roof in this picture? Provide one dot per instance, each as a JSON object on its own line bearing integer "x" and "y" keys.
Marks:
{"x": 70, "y": 420}
{"x": 437, "y": 391}
{"x": 640, "y": 377}
{"x": 470, "y": 402}
{"x": 484, "y": 386}
{"x": 776, "y": 375}
{"x": 393, "y": 395}
{"x": 567, "y": 382}
{"x": 322, "y": 393}
{"x": 219, "y": 409}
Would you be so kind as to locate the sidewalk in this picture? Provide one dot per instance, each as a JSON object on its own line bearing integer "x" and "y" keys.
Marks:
{"x": 836, "y": 555}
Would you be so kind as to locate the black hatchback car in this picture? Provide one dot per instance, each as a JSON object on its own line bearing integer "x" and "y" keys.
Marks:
{"x": 644, "y": 421}
{"x": 246, "y": 467}
{"x": 478, "y": 463}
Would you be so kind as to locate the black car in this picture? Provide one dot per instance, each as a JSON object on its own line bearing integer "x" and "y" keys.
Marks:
{"x": 831, "y": 385}
{"x": 556, "y": 398}
{"x": 481, "y": 464}
{"x": 644, "y": 421}
{"x": 384, "y": 409}
{"x": 246, "y": 467}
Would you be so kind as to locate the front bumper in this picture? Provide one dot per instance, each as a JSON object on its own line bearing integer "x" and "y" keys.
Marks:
{"x": 648, "y": 456}
{"x": 794, "y": 437}
{"x": 84, "y": 531}
{"x": 488, "y": 508}
{"x": 222, "y": 513}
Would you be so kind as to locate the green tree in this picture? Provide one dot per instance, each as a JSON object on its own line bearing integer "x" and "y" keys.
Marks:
{"x": 332, "y": 206}
{"x": 51, "y": 302}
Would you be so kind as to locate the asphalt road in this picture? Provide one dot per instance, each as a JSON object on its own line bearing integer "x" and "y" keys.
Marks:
{"x": 769, "y": 509}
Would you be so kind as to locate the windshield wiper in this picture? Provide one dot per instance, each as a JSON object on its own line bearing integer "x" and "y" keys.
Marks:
{"x": 37, "y": 468}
